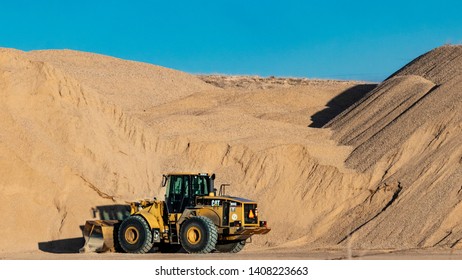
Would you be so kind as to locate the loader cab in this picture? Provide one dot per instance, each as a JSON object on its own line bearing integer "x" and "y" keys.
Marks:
{"x": 182, "y": 190}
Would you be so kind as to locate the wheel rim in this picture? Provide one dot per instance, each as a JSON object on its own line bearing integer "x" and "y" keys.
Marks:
{"x": 132, "y": 235}
{"x": 193, "y": 235}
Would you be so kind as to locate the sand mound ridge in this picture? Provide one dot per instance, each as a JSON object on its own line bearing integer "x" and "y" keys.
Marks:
{"x": 407, "y": 134}
{"x": 81, "y": 130}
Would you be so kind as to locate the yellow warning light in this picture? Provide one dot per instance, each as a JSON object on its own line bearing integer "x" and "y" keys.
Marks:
{"x": 251, "y": 215}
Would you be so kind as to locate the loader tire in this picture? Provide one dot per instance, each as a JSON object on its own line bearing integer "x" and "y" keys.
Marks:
{"x": 233, "y": 247}
{"x": 135, "y": 235}
{"x": 198, "y": 235}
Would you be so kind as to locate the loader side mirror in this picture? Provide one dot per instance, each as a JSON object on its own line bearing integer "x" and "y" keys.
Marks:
{"x": 164, "y": 180}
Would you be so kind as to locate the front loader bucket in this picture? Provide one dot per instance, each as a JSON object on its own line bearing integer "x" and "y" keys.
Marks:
{"x": 99, "y": 236}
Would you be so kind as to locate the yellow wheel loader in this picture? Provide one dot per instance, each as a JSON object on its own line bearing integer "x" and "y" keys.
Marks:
{"x": 193, "y": 217}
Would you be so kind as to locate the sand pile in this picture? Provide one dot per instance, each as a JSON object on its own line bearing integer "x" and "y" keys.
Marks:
{"x": 257, "y": 82}
{"x": 81, "y": 130}
{"x": 66, "y": 148}
{"x": 407, "y": 134}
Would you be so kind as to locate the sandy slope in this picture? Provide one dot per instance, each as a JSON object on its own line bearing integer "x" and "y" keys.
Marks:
{"x": 81, "y": 130}
{"x": 407, "y": 134}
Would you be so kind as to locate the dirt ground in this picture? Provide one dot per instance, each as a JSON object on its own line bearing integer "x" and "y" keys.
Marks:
{"x": 267, "y": 254}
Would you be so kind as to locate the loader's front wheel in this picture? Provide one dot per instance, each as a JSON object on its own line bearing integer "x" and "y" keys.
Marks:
{"x": 198, "y": 235}
{"x": 135, "y": 235}
{"x": 233, "y": 247}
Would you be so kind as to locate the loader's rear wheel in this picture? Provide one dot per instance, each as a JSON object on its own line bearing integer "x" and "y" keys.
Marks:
{"x": 135, "y": 235}
{"x": 198, "y": 235}
{"x": 233, "y": 247}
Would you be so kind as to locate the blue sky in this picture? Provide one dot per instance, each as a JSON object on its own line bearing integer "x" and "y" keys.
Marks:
{"x": 361, "y": 40}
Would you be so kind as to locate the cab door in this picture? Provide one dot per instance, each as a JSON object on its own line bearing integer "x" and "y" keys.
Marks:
{"x": 178, "y": 193}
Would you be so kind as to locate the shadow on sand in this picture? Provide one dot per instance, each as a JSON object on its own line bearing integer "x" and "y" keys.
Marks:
{"x": 62, "y": 246}
{"x": 339, "y": 104}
